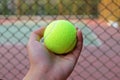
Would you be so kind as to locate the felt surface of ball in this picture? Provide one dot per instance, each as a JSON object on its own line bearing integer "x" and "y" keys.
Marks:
{"x": 60, "y": 36}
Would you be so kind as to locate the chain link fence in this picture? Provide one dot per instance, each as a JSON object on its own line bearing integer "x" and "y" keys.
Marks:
{"x": 98, "y": 19}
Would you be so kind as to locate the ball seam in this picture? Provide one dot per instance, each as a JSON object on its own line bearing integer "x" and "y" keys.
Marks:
{"x": 51, "y": 30}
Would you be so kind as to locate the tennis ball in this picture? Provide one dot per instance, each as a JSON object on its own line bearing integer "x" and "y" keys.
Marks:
{"x": 60, "y": 36}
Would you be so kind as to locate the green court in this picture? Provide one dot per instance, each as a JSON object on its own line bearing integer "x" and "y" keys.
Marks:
{"x": 19, "y": 31}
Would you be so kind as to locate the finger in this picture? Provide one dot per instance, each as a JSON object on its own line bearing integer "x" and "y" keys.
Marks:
{"x": 79, "y": 44}
{"x": 40, "y": 31}
{"x": 77, "y": 28}
{"x": 74, "y": 55}
{"x": 36, "y": 35}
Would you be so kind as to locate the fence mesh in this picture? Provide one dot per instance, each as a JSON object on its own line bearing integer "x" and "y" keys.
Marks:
{"x": 98, "y": 19}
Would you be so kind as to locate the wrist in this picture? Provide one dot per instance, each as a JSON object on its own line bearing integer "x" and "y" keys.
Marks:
{"x": 35, "y": 74}
{"x": 39, "y": 73}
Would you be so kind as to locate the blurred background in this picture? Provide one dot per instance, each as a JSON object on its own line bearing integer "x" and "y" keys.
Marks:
{"x": 99, "y": 20}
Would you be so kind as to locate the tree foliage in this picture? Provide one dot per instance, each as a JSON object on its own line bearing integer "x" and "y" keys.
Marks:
{"x": 50, "y": 7}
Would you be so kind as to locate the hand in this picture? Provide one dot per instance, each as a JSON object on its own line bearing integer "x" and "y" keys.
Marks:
{"x": 45, "y": 65}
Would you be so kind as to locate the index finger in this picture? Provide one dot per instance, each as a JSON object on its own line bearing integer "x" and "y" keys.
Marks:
{"x": 37, "y": 34}
{"x": 40, "y": 31}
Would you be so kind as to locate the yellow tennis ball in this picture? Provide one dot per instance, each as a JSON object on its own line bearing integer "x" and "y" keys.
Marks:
{"x": 60, "y": 36}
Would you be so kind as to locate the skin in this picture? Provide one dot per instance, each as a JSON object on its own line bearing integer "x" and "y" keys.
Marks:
{"x": 45, "y": 65}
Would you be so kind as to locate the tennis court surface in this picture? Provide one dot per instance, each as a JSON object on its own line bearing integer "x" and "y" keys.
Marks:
{"x": 99, "y": 60}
